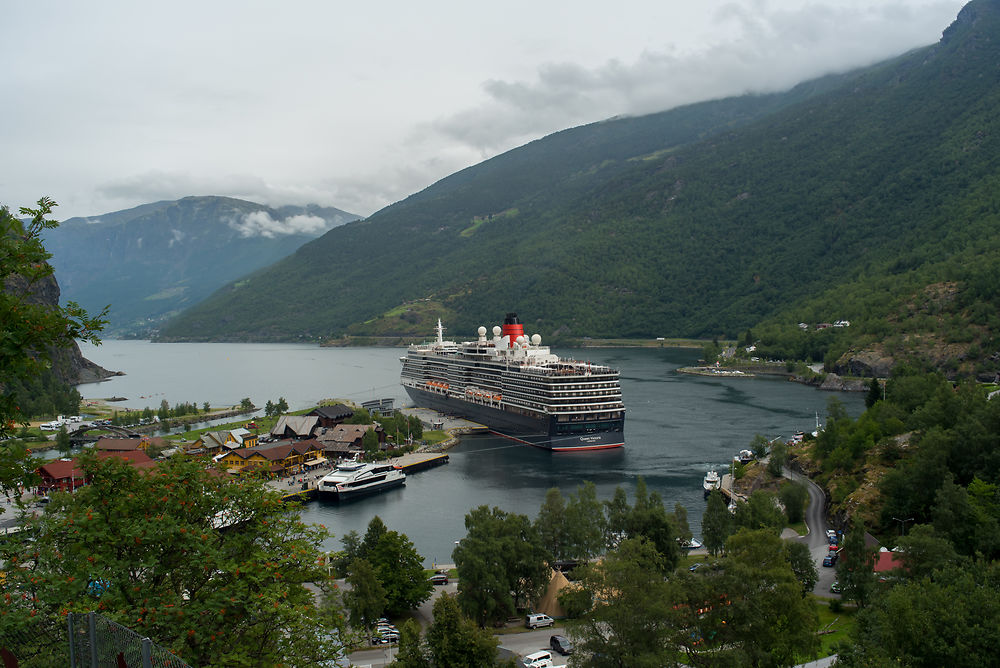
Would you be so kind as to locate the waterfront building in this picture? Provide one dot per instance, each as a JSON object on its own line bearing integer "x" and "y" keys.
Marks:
{"x": 271, "y": 461}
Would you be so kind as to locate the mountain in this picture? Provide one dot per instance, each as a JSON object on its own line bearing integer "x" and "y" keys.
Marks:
{"x": 152, "y": 261}
{"x": 845, "y": 198}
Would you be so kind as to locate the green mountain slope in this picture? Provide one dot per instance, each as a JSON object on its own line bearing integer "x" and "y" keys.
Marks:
{"x": 156, "y": 259}
{"x": 700, "y": 221}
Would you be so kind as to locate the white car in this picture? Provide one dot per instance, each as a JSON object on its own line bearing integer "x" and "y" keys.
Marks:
{"x": 537, "y": 620}
{"x": 541, "y": 659}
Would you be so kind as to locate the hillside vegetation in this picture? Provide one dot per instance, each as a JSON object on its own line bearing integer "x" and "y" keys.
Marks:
{"x": 849, "y": 198}
{"x": 154, "y": 260}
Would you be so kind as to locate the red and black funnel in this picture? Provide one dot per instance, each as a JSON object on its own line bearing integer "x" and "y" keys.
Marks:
{"x": 512, "y": 327}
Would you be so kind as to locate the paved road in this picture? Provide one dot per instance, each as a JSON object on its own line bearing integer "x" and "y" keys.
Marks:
{"x": 816, "y": 538}
{"x": 527, "y": 642}
{"x": 383, "y": 655}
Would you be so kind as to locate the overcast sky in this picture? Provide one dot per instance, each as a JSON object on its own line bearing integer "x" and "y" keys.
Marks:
{"x": 111, "y": 104}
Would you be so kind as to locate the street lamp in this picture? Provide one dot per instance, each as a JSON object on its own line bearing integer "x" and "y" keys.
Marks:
{"x": 902, "y": 523}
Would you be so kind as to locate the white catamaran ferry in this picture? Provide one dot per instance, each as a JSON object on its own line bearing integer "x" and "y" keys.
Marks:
{"x": 350, "y": 480}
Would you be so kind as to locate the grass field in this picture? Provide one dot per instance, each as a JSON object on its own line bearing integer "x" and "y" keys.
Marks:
{"x": 836, "y": 627}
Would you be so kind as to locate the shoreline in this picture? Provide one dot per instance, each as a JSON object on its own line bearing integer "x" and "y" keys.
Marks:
{"x": 404, "y": 340}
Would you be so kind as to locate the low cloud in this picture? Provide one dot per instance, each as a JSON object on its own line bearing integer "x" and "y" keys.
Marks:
{"x": 766, "y": 49}
{"x": 260, "y": 224}
{"x": 158, "y": 185}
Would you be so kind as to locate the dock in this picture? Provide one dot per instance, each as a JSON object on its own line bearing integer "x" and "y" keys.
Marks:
{"x": 412, "y": 462}
{"x": 302, "y": 495}
{"x": 308, "y": 490}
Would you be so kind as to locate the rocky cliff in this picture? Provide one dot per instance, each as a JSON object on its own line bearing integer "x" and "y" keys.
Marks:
{"x": 69, "y": 364}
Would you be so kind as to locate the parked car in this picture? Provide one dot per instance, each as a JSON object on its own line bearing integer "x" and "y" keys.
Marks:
{"x": 830, "y": 559}
{"x": 536, "y": 620}
{"x": 835, "y": 587}
{"x": 541, "y": 659}
{"x": 438, "y": 579}
{"x": 561, "y": 644}
{"x": 696, "y": 566}
{"x": 385, "y": 637}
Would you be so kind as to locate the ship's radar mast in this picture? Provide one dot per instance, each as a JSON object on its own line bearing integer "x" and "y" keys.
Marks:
{"x": 440, "y": 331}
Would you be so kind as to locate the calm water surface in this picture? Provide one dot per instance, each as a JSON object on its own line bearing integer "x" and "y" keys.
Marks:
{"x": 677, "y": 426}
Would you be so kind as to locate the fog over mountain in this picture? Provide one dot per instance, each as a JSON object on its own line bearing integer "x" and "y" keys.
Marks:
{"x": 358, "y": 105}
{"x": 151, "y": 261}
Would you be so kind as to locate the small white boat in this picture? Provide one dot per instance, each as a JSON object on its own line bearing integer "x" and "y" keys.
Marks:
{"x": 745, "y": 457}
{"x": 712, "y": 481}
{"x": 692, "y": 544}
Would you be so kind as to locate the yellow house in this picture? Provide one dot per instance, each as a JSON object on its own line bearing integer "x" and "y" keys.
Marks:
{"x": 243, "y": 438}
{"x": 213, "y": 442}
{"x": 273, "y": 460}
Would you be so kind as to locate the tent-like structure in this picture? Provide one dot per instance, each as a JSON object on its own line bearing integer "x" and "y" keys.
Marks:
{"x": 549, "y": 602}
{"x": 295, "y": 426}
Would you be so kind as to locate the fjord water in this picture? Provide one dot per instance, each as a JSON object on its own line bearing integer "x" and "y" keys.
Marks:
{"x": 677, "y": 426}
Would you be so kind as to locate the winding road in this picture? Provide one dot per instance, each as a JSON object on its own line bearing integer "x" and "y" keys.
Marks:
{"x": 816, "y": 538}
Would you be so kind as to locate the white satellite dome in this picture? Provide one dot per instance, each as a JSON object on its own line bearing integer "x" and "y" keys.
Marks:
{"x": 496, "y": 330}
{"x": 536, "y": 339}
{"x": 482, "y": 331}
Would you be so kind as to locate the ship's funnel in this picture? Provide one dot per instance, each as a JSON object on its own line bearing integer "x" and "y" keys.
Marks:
{"x": 512, "y": 327}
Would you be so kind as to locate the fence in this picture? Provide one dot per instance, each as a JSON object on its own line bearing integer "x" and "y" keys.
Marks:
{"x": 88, "y": 640}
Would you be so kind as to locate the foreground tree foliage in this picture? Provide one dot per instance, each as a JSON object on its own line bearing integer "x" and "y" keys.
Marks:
{"x": 411, "y": 652}
{"x": 855, "y": 567}
{"x": 399, "y": 568}
{"x": 501, "y": 565}
{"x": 627, "y": 624}
{"x": 31, "y": 331}
{"x": 454, "y": 640}
{"x": 395, "y": 563}
{"x": 745, "y": 610}
{"x": 647, "y": 518}
{"x": 951, "y": 619}
{"x": 716, "y": 523}
{"x": 769, "y": 622}
{"x": 365, "y": 600}
{"x": 212, "y": 570}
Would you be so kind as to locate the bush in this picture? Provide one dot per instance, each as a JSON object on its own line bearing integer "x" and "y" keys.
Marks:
{"x": 793, "y": 497}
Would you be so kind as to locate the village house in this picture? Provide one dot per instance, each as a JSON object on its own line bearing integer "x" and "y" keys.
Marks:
{"x": 105, "y": 444}
{"x": 275, "y": 460}
{"x": 295, "y": 426}
{"x": 344, "y": 440}
{"x": 65, "y": 475}
{"x": 214, "y": 442}
{"x": 379, "y": 407}
{"x": 331, "y": 416}
{"x": 62, "y": 475}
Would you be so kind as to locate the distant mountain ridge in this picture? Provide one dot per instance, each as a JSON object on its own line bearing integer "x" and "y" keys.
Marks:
{"x": 700, "y": 221}
{"x": 153, "y": 260}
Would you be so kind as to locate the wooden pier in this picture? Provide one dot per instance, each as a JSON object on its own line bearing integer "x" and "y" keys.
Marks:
{"x": 412, "y": 462}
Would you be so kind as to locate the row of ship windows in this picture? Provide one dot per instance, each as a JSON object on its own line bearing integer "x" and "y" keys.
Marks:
{"x": 587, "y": 426}
{"x": 540, "y": 386}
{"x": 617, "y": 415}
{"x": 521, "y": 377}
{"x": 613, "y": 394}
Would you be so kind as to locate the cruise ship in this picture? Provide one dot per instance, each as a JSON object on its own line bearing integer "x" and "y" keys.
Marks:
{"x": 350, "y": 480}
{"x": 518, "y": 388}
